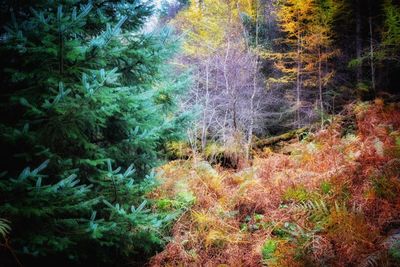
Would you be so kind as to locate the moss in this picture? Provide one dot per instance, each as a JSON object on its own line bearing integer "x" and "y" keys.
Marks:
{"x": 268, "y": 249}
{"x": 326, "y": 187}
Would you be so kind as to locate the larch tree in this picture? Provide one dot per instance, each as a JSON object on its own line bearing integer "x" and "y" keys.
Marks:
{"x": 308, "y": 28}
{"x": 319, "y": 46}
{"x": 293, "y": 17}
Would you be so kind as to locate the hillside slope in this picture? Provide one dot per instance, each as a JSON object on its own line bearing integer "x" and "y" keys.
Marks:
{"x": 332, "y": 199}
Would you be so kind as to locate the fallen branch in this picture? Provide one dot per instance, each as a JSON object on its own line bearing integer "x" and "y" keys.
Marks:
{"x": 280, "y": 138}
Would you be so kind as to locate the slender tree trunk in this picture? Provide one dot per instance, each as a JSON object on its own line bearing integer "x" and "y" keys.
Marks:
{"x": 321, "y": 103}
{"x": 224, "y": 139}
{"x": 298, "y": 81}
{"x": 358, "y": 41}
{"x": 234, "y": 111}
{"x": 372, "y": 56}
{"x": 204, "y": 128}
{"x": 228, "y": 87}
{"x": 193, "y": 133}
{"x": 252, "y": 113}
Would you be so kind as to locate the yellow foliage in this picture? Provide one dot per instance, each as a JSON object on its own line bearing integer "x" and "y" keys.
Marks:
{"x": 209, "y": 25}
{"x": 308, "y": 27}
{"x": 204, "y": 25}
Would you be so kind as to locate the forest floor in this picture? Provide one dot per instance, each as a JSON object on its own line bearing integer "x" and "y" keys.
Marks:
{"x": 331, "y": 199}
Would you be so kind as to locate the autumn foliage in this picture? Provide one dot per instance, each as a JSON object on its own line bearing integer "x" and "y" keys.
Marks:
{"x": 331, "y": 199}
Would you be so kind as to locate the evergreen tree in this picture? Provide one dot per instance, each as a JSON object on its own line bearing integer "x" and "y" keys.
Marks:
{"x": 84, "y": 91}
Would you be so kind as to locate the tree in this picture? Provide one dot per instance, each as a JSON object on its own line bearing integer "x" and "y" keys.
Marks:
{"x": 293, "y": 17}
{"x": 319, "y": 44}
{"x": 84, "y": 91}
{"x": 228, "y": 87}
{"x": 308, "y": 26}
{"x": 391, "y": 32}
{"x": 215, "y": 43}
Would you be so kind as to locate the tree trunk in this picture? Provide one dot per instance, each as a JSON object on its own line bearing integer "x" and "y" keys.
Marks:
{"x": 280, "y": 138}
{"x": 204, "y": 128}
{"x": 252, "y": 113}
{"x": 251, "y": 126}
{"x": 358, "y": 41}
{"x": 234, "y": 112}
{"x": 321, "y": 103}
{"x": 227, "y": 86}
{"x": 372, "y": 56}
{"x": 298, "y": 80}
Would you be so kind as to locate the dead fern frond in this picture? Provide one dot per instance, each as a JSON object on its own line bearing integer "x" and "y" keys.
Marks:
{"x": 376, "y": 259}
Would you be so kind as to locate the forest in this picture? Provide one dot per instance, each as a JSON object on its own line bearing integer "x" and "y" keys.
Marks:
{"x": 200, "y": 133}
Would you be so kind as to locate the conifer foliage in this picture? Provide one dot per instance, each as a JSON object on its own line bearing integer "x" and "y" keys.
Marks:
{"x": 84, "y": 91}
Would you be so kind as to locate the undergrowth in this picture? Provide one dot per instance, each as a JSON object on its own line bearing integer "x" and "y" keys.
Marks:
{"x": 332, "y": 201}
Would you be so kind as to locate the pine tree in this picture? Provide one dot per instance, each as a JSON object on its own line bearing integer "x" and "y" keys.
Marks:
{"x": 84, "y": 91}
